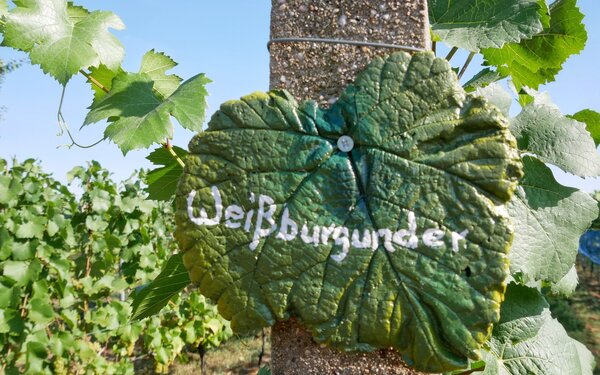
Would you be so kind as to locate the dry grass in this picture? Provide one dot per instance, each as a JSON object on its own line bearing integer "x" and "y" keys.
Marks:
{"x": 237, "y": 356}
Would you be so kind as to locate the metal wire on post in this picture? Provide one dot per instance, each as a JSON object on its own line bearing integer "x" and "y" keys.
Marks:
{"x": 344, "y": 41}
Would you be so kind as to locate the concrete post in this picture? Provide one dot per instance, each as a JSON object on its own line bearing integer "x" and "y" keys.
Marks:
{"x": 320, "y": 71}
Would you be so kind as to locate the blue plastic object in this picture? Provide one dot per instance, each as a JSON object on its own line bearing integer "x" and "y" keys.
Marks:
{"x": 589, "y": 245}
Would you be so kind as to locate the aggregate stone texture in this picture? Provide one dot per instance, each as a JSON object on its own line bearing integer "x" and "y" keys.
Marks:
{"x": 295, "y": 353}
{"x": 320, "y": 71}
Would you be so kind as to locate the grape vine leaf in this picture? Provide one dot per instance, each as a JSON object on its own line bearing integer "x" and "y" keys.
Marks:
{"x": 162, "y": 182}
{"x": 62, "y": 38}
{"x": 482, "y": 79}
{"x": 153, "y": 297}
{"x": 3, "y": 9}
{"x": 138, "y": 115}
{"x": 474, "y": 25}
{"x": 496, "y": 95}
{"x": 591, "y": 119}
{"x": 537, "y": 60}
{"x": 567, "y": 285}
{"x": 156, "y": 64}
{"x": 549, "y": 219}
{"x": 426, "y": 158}
{"x": 527, "y": 340}
{"x": 537, "y": 128}
{"x": 100, "y": 80}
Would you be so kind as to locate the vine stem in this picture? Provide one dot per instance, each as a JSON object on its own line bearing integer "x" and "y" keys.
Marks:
{"x": 464, "y": 68}
{"x": 451, "y": 53}
{"x": 169, "y": 147}
{"x": 62, "y": 124}
{"x": 434, "y": 48}
{"x": 94, "y": 81}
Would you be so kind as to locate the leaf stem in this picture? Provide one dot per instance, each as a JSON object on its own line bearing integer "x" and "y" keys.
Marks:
{"x": 169, "y": 147}
{"x": 451, "y": 53}
{"x": 464, "y": 68}
{"x": 94, "y": 81}
{"x": 434, "y": 47}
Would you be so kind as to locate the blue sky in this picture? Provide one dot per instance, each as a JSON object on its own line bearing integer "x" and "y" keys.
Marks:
{"x": 227, "y": 41}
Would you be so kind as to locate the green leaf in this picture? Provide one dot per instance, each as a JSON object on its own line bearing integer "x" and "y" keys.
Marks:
{"x": 22, "y": 272}
{"x": 528, "y": 340}
{"x": 591, "y": 119}
{"x": 162, "y": 182}
{"x": 473, "y": 25}
{"x": 10, "y": 189}
{"x": 537, "y": 129}
{"x": 156, "y": 64}
{"x": 40, "y": 311}
{"x": 36, "y": 354}
{"x": 59, "y": 43}
{"x": 535, "y": 61}
{"x": 11, "y": 321}
{"x": 427, "y": 158}
{"x": 549, "y": 219}
{"x": 567, "y": 285}
{"x": 482, "y": 79}
{"x": 100, "y": 79}
{"x": 140, "y": 118}
{"x": 33, "y": 227}
{"x": 496, "y": 95}
{"x": 170, "y": 282}
{"x": 3, "y": 8}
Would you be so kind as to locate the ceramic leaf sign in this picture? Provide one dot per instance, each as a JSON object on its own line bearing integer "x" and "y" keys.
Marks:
{"x": 378, "y": 222}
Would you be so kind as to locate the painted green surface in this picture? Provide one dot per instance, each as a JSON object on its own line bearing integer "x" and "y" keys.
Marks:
{"x": 425, "y": 154}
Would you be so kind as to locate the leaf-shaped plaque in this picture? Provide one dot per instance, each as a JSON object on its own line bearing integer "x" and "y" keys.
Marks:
{"x": 378, "y": 222}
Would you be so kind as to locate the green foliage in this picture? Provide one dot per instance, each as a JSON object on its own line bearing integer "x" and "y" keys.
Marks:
{"x": 535, "y": 61}
{"x": 432, "y": 162}
{"x": 474, "y": 25}
{"x": 591, "y": 119}
{"x": 154, "y": 296}
{"x": 140, "y": 117}
{"x": 527, "y": 340}
{"x": 49, "y": 238}
{"x": 65, "y": 38}
{"x": 67, "y": 267}
{"x": 482, "y": 79}
{"x": 576, "y": 154}
{"x": 549, "y": 219}
{"x": 162, "y": 181}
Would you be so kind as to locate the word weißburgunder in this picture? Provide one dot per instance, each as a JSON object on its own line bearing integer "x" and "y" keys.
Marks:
{"x": 235, "y": 217}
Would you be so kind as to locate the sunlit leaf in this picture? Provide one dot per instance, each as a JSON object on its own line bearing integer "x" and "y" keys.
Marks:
{"x": 535, "y": 61}
{"x": 473, "y": 25}
{"x": 61, "y": 39}
{"x": 548, "y": 219}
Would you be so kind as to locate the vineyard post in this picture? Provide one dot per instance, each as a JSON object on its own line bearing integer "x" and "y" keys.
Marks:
{"x": 319, "y": 70}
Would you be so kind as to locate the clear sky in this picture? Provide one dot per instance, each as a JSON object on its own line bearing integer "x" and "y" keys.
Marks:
{"x": 227, "y": 41}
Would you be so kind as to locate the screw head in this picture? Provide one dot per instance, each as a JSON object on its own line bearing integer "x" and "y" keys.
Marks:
{"x": 345, "y": 143}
